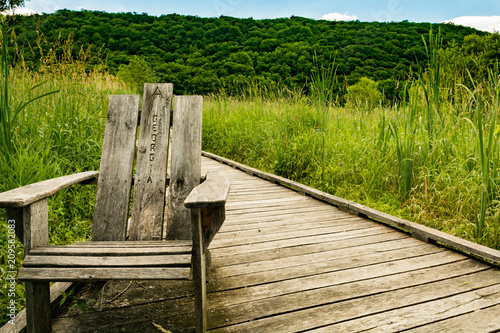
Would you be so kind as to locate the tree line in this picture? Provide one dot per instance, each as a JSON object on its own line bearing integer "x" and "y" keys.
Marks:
{"x": 204, "y": 55}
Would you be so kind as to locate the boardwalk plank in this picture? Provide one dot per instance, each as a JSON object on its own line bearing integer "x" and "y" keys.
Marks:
{"x": 297, "y": 241}
{"x": 483, "y": 320}
{"x": 453, "y": 296}
{"x": 301, "y": 284}
{"x": 302, "y": 249}
{"x": 380, "y": 260}
{"x": 438, "y": 309}
{"x": 341, "y": 301}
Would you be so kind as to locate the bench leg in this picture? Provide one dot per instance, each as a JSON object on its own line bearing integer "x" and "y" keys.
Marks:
{"x": 37, "y": 307}
{"x": 199, "y": 273}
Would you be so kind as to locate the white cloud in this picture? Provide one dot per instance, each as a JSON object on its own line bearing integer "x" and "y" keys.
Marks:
{"x": 485, "y": 23}
{"x": 339, "y": 17}
{"x": 20, "y": 11}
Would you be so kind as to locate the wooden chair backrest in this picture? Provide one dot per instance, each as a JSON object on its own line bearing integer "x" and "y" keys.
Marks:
{"x": 117, "y": 163}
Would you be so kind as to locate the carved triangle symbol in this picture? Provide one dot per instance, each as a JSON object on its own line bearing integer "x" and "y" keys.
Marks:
{"x": 157, "y": 92}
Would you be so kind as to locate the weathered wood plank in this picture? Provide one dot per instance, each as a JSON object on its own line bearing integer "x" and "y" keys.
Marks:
{"x": 246, "y": 248}
{"x": 109, "y": 251}
{"x": 302, "y": 249}
{"x": 186, "y": 163}
{"x": 297, "y": 233}
{"x": 307, "y": 258}
{"x": 36, "y": 233}
{"x": 148, "y": 202}
{"x": 117, "y": 162}
{"x": 213, "y": 192}
{"x": 96, "y": 274}
{"x": 314, "y": 309}
{"x": 254, "y": 229}
{"x": 280, "y": 180}
{"x": 139, "y": 244}
{"x": 301, "y": 284}
{"x": 199, "y": 272}
{"x": 109, "y": 261}
{"x": 482, "y": 320}
{"x": 28, "y": 194}
{"x": 433, "y": 309}
{"x": 325, "y": 266}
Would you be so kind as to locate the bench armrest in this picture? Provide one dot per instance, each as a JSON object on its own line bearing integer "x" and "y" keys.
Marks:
{"x": 213, "y": 192}
{"x": 23, "y": 196}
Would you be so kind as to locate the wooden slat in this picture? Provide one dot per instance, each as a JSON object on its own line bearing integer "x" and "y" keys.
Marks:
{"x": 212, "y": 192}
{"x": 424, "y": 305}
{"x": 297, "y": 233}
{"x": 28, "y": 194}
{"x": 335, "y": 277}
{"x": 482, "y": 320}
{"x": 117, "y": 162}
{"x": 315, "y": 310}
{"x": 36, "y": 233}
{"x": 96, "y": 274}
{"x": 340, "y": 236}
{"x": 107, "y": 261}
{"x": 250, "y": 258}
{"x": 109, "y": 251}
{"x": 313, "y": 258}
{"x": 148, "y": 203}
{"x": 396, "y": 258}
{"x": 186, "y": 163}
{"x": 138, "y": 244}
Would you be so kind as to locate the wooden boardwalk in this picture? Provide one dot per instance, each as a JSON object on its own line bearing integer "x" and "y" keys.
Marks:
{"x": 284, "y": 262}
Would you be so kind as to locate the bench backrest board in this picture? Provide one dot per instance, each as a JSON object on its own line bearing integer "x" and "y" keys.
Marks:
{"x": 117, "y": 163}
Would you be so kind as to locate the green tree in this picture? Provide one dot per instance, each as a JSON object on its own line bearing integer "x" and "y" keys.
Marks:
{"x": 136, "y": 73}
{"x": 363, "y": 95}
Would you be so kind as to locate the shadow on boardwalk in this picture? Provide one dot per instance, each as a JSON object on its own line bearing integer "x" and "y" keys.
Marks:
{"x": 284, "y": 262}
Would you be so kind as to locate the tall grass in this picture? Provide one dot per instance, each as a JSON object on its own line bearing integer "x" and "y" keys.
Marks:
{"x": 322, "y": 94}
{"x": 52, "y": 130}
{"x": 442, "y": 173}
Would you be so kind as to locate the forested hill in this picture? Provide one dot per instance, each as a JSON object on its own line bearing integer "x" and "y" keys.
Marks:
{"x": 200, "y": 55}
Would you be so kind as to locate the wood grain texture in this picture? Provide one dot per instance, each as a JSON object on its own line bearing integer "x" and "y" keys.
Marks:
{"x": 108, "y": 261}
{"x": 36, "y": 233}
{"x": 186, "y": 163}
{"x": 117, "y": 162}
{"x": 148, "y": 201}
{"x": 110, "y": 251}
{"x": 199, "y": 272}
{"x": 97, "y": 274}
{"x": 36, "y": 225}
{"x": 25, "y": 195}
{"x": 212, "y": 192}
{"x": 38, "y": 314}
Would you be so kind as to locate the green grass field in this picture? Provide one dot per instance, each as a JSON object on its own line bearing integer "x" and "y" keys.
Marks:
{"x": 432, "y": 158}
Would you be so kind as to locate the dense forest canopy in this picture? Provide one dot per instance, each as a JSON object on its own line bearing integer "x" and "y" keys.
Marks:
{"x": 202, "y": 55}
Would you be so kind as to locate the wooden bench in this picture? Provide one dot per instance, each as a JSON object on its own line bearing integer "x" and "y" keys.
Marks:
{"x": 123, "y": 248}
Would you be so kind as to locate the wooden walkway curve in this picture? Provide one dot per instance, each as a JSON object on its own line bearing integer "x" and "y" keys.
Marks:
{"x": 285, "y": 262}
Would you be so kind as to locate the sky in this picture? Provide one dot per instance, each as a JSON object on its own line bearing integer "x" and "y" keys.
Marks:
{"x": 482, "y": 14}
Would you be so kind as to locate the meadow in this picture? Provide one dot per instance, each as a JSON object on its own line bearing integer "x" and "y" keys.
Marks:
{"x": 431, "y": 157}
